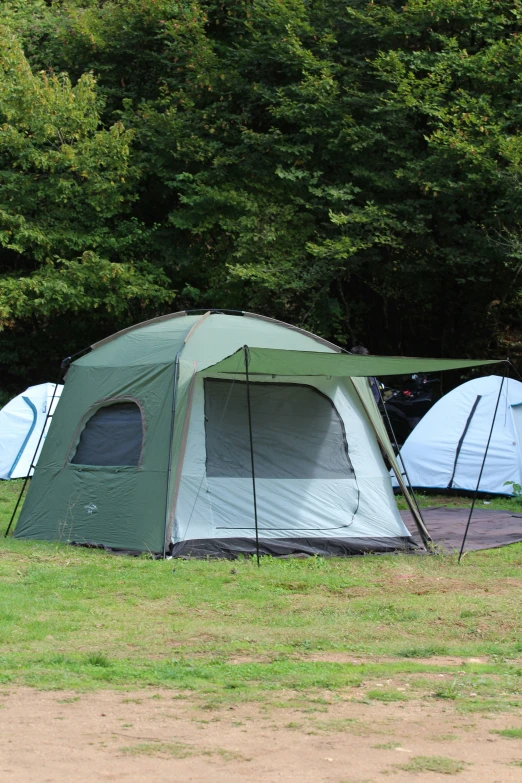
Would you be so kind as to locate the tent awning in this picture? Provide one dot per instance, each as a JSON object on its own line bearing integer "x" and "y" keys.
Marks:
{"x": 274, "y": 361}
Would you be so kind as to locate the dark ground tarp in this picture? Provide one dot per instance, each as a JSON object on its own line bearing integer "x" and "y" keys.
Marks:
{"x": 488, "y": 529}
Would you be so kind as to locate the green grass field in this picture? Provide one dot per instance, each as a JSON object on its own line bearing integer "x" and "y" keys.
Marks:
{"x": 81, "y": 619}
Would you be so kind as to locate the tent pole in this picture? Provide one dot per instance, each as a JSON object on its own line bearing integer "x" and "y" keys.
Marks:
{"x": 245, "y": 348}
{"x": 63, "y": 367}
{"x": 426, "y": 540}
{"x": 169, "y": 466}
{"x": 482, "y": 467}
{"x": 510, "y": 364}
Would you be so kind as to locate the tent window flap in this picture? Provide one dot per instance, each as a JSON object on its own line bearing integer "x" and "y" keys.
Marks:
{"x": 112, "y": 437}
{"x": 297, "y": 432}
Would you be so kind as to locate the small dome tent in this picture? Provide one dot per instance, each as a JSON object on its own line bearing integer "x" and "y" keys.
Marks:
{"x": 21, "y": 423}
{"x": 446, "y": 448}
{"x": 157, "y": 447}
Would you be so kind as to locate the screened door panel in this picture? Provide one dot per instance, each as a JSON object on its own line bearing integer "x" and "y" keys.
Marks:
{"x": 297, "y": 432}
{"x": 112, "y": 437}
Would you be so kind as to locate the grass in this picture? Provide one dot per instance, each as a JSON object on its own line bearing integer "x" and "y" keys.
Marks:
{"x": 510, "y": 733}
{"x": 176, "y": 750}
{"x": 440, "y": 764}
{"x": 79, "y": 619}
{"x": 387, "y": 746}
{"x": 458, "y": 501}
{"x": 387, "y": 696}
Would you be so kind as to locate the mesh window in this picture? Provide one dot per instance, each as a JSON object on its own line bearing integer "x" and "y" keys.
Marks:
{"x": 111, "y": 437}
{"x": 296, "y": 431}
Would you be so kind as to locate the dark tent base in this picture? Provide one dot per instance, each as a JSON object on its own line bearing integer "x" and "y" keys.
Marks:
{"x": 488, "y": 529}
{"x": 456, "y": 492}
{"x": 231, "y": 548}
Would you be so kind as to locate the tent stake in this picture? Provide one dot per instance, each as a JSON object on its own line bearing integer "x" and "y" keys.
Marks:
{"x": 245, "y": 348}
{"x": 481, "y": 468}
{"x": 63, "y": 367}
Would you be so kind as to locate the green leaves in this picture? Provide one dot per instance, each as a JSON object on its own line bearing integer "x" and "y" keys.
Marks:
{"x": 71, "y": 286}
{"x": 68, "y": 243}
{"x": 339, "y": 167}
{"x": 62, "y": 176}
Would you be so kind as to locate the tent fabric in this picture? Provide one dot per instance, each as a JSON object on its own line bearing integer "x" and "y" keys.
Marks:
{"x": 297, "y": 432}
{"x": 322, "y": 485}
{"x": 265, "y": 361}
{"x": 356, "y": 506}
{"x": 446, "y": 448}
{"x": 21, "y": 423}
{"x": 118, "y": 506}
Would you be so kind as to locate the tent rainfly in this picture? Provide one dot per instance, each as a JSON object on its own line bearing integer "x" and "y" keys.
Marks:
{"x": 22, "y": 421}
{"x": 446, "y": 448}
{"x": 174, "y": 436}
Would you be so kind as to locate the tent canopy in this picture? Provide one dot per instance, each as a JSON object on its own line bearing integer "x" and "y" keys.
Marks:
{"x": 274, "y": 361}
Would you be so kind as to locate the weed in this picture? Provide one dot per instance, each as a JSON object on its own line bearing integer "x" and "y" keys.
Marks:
{"x": 387, "y": 746}
{"x": 510, "y": 733}
{"x": 421, "y": 652}
{"x": 351, "y": 725}
{"x": 176, "y": 750}
{"x": 179, "y": 750}
{"x": 387, "y": 696}
{"x": 98, "y": 659}
{"x": 448, "y": 691}
{"x": 440, "y": 764}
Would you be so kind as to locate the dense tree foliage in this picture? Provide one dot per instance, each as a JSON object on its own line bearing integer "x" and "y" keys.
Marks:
{"x": 349, "y": 166}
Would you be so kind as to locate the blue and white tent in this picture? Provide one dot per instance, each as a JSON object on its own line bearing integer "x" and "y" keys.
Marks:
{"x": 21, "y": 423}
{"x": 446, "y": 448}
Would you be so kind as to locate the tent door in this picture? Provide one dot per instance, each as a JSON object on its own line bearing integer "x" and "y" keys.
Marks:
{"x": 305, "y": 482}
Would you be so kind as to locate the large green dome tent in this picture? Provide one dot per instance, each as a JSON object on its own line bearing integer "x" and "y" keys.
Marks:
{"x": 208, "y": 434}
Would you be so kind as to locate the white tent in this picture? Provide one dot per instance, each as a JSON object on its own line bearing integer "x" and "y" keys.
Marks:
{"x": 21, "y": 424}
{"x": 446, "y": 448}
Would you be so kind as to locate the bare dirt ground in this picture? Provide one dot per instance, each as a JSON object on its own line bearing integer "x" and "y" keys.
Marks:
{"x": 152, "y": 735}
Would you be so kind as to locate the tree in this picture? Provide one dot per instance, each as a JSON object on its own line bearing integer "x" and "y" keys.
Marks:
{"x": 68, "y": 243}
{"x": 352, "y": 168}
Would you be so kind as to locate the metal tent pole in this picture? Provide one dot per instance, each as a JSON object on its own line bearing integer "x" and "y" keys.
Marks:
{"x": 245, "y": 348}
{"x": 482, "y": 468}
{"x": 426, "y": 540}
{"x": 169, "y": 466}
{"x": 63, "y": 367}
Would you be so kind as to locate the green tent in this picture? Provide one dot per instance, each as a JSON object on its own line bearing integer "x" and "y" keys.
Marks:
{"x": 166, "y": 433}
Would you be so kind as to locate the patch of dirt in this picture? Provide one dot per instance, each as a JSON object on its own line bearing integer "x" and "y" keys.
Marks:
{"x": 357, "y": 660}
{"x": 433, "y": 660}
{"x": 353, "y": 659}
{"x": 152, "y": 735}
{"x": 423, "y": 585}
